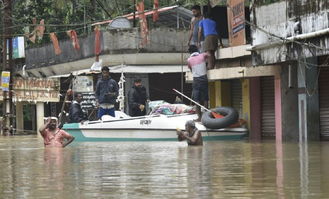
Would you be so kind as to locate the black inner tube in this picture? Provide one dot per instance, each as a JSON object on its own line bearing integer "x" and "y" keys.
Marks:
{"x": 231, "y": 116}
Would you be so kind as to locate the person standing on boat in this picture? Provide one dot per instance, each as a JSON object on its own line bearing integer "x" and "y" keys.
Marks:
{"x": 197, "y": 64}
{"x": 107, "y": 91}
{"x": 137, "y": 98}
{"x": 54, "y": 136}
{"x": 192, "y": 135}
{"x": 76, "y": 114}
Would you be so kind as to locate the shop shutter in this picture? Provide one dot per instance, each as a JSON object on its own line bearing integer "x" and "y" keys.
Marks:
{"x": 324, "y": 102}
{"x": 268, "y": 107}
{"x": 236, "y": 95}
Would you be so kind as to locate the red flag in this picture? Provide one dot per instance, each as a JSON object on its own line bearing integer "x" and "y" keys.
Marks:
{"x": 155, "y": 12}
{"x": 55, "y": 43}
{"x": 97, "y": 42}
{"x": 143, "y": 23}
{"x": 74, "y": 37}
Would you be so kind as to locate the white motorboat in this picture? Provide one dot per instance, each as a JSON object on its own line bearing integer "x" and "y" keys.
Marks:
{"x": 145, "y": 128}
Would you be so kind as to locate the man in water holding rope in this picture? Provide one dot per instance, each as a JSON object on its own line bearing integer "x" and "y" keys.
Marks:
{"x": 54, "y": 136}
{"x": 192, "y": 135}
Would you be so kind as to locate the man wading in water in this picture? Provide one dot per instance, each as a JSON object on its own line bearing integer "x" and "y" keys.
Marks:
{"x": 192, "y": 135}
{"x": 54, "y": 136}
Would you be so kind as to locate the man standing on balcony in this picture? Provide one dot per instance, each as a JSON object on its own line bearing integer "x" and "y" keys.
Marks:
{"x": 197, "y": 17}
{"x": 107, "y": 91}
{"x": 208, "y": 29}
{"x": 197, "y": 64}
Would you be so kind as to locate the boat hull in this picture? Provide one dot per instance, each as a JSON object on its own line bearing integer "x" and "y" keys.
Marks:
{"x": 155, "y": 128}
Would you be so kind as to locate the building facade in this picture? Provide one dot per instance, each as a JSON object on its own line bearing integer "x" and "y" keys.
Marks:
{"x": 293, "y": 36}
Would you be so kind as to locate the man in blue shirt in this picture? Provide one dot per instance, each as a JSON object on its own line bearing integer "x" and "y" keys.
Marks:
{"x": 107, "y": 91}
{"x": 209, "y": 29}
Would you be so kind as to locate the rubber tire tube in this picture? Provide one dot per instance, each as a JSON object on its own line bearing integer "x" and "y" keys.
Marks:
{"x": 231, "y": 116}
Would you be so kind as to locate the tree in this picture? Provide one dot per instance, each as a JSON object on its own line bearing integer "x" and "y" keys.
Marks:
{"x": 61, "y": 15}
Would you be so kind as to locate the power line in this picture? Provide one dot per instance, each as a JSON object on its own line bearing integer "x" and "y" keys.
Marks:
{"x": 285, "y": 40}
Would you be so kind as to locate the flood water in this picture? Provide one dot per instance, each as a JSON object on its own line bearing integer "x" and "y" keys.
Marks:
{"x": 237, "y": 169}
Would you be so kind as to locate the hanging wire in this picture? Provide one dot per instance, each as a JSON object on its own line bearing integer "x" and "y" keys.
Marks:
{"x": 285, "y": 39}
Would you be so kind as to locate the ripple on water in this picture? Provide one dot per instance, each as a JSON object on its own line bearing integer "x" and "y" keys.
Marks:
{"x": 162, "y": 170}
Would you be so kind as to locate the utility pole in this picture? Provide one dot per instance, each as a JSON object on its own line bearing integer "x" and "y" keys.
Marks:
{"x": 7, "y": 66}
{"x": 134, "y": 16}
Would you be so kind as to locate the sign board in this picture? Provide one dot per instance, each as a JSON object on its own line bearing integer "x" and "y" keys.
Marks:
{"x": 88, "y": 101}
{"x": 18, "y": 47}
{"x": 83, "y": 84}
{"x": 5, "y": 80}
{"x": 236, "y": 22}
{"x": 36, "y": 90}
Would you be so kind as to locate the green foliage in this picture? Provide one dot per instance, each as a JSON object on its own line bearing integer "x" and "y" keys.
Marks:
{"x": 64, "y": 13}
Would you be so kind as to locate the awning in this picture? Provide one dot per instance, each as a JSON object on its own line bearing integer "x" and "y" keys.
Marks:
{"x": 133, "y": 69}
{"x": 149, "y": 69}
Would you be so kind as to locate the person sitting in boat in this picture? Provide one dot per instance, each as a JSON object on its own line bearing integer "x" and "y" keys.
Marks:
{"x": 76, "y": 114}
{"x": 137, "y": 98}
{"x": 197, "y": 64}
{"x": 192, "y": 135}
{"x": 107, "y": 91}
{"x": 54, "y": 136}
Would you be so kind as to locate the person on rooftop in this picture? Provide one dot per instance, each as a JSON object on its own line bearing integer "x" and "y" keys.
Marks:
{"x": 208, "y": 29}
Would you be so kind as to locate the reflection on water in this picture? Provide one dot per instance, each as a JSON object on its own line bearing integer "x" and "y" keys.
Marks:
{"x": 163, "y": 170}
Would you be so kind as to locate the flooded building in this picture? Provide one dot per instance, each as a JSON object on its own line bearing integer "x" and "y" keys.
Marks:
{"x": 159, "y": 63}
{"x": 235, "y": 81}
{"x": 292, "y": 36}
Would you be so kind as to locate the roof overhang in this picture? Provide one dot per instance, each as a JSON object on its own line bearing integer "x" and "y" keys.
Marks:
{"x": 239, "y": 72}
{"x": 139, "y": 59}
{"x": 167, "y": 14}
{"x": 162, "y": 69}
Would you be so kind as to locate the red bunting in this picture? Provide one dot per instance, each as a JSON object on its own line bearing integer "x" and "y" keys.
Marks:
{"x": 155, "y": 12}
{"x": 74, "y": 37}
{"x": 143, "y": 23}
{"x": 97, "y": 43}
{"x": 55, "y": 43}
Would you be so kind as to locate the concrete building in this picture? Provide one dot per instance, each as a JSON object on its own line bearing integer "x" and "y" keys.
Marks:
{"x": 293, "y": 37}
{"x": 236, "y": 82}
{"x": 160, "y": 63}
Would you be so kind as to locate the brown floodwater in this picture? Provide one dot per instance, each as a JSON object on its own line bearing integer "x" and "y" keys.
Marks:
{"x": 237, "y": 169}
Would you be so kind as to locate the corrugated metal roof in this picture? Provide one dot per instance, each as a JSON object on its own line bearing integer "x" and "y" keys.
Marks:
{"x": 167, "y": 16}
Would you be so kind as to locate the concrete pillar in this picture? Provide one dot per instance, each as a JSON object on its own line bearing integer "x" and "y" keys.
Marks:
{"x": 246, "y": 101}
{"x": 226, "y": 93}
{"x": 212, "y": 96}
{"x": 40, "y": 115}
{"x": 217, "y": 93}
{"x": 255, "y": 131}
{"x": 19, "y": 116}
{"x": 308, "y": 100}
{"x": 289, "y": 103}
{"x": 220, "y": 94}
{"x": 278, "y": 108}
